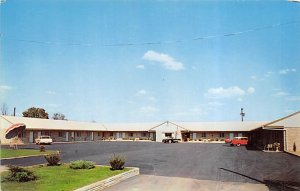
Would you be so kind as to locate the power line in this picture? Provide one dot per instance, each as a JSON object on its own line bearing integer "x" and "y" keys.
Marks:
{"x": 157, "y": 42}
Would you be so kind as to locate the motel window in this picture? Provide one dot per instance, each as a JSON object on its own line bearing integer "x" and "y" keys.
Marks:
{"x": 78, "y": 134}
{"x": 168, "y": 134}
{"x": 88, "y": 134}
{"x": 144, "y": 134}
{"x": 130, "y": 134}
{"x": 60, "y": 134}
{"x": 111, "y": 134}
{"x": 222, "y": 135}
{"x": 203, "y": 134}
{"x": 99, "y": 134}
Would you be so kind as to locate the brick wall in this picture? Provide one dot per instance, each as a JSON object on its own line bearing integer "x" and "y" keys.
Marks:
{"x": 292, "y": 136}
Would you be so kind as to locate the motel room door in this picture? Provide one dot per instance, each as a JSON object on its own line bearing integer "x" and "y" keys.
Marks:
{"x": 230, "y": 136}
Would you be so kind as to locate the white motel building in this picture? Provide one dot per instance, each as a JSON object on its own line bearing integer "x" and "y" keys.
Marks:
{"x": 285, "y": 131}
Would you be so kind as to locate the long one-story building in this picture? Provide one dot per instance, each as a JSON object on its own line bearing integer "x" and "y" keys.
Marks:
{"x": 286, "y": 130}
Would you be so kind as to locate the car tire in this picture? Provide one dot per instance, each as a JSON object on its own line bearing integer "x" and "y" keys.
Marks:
{"x": 238, "y": 144}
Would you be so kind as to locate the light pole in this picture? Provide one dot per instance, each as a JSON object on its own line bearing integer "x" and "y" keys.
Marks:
{"x": 242, "y": 114}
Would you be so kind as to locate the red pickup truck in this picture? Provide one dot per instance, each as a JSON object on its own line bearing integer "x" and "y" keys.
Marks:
{"x": 238, "y": 141}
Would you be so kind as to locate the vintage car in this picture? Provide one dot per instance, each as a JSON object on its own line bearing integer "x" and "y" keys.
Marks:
{"x": 238, "y": 141}
{"x": 43, "y": 140}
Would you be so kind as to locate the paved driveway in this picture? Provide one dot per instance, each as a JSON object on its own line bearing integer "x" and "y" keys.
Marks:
{"x": 218, "y": 162}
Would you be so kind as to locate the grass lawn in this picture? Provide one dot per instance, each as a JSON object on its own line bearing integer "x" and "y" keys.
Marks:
{"x": 60, "y": 178}
{"x": 9, "y": 153}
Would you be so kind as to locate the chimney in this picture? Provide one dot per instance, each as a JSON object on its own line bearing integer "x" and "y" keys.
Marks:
{"x": 14, "y": 111}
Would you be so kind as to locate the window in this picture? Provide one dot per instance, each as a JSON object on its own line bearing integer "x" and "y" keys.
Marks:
{"x": 99, "y": 134}
{"x": 130, "y": 134}
{"x": 222, "y": 135}
{"x": 144, "y": 134}
{"x": 60, "y": 134}
{"x": 78, "y": 134}
{"x": 203, "y": 134}
{"x": 168, "y": 134}
{"x": 88, "y": 134}
{"x": 111, "y": 134}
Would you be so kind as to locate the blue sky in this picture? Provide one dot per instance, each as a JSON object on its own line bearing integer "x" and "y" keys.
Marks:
{"x": 131, "y": 61}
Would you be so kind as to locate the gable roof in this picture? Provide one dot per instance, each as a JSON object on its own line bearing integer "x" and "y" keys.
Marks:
{"x": 292, "y": 120}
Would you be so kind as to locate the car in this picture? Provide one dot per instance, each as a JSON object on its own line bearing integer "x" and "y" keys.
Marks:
{"x": 227, "y": 140}
{"x": 44, "y": 140}
{"x": 238, "y": 141}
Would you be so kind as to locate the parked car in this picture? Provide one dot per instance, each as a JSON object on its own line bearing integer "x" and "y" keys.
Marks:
{"x": 43, "y": 140}
{"x": 238, "y": 141}
{"x": 227, "y": 140}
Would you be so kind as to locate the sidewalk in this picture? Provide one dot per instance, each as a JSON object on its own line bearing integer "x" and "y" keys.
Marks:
{"x": 3, "y": 168}
{"x": 154, "y": 183}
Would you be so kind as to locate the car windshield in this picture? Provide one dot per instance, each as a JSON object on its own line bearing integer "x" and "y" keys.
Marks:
{"x": 45, "y": 137}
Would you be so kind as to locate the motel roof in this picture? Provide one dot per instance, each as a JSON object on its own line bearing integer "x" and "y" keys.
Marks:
{"x": 50, "y": 124}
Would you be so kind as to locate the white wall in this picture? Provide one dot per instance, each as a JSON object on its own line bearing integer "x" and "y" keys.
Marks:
{"x": 167, "y": 128}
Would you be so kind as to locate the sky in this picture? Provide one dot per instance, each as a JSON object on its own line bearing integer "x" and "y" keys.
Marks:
{"x": 151, "y": 61}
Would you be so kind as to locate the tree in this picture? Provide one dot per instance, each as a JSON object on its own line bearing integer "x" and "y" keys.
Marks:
{"x": 59, "y": 116}
{"x": 36, "y": 113}
{"x": 4, "y": 109}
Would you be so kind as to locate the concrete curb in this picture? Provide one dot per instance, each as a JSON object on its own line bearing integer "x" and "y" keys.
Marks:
{"x": 27, "y": 156}
{"x": 101, "y": 185}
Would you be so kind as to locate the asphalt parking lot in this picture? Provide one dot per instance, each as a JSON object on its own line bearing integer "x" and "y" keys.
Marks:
{"x": 218, "y": 162}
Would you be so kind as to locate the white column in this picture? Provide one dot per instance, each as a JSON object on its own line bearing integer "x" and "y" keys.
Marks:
{"x": 92, "y": 135}
{"x": 67, "y": 136}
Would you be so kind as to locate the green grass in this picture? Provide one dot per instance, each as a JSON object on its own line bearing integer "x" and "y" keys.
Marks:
{"x": 60, "y": 178}
{"x": 10, "y": 153}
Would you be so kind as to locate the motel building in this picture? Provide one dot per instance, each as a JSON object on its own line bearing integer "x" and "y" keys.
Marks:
{"x": 285, "y": 131}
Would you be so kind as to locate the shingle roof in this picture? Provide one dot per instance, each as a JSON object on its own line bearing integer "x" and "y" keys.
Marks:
{"x": 50, "y": 124}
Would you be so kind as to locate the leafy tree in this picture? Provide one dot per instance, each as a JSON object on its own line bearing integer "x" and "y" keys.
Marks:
{"x": 4, "y": 109}
{"x": 36, "y": 113}
{"x": 59, "y": 116}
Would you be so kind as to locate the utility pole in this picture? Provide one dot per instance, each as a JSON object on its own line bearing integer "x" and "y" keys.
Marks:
{"x": 242, "y": 114}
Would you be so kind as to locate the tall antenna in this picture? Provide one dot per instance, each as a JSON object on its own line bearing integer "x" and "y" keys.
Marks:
{"x": 242, "y": 114}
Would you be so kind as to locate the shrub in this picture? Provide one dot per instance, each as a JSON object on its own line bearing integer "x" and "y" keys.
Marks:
{"x": 53, "y": 159}
{"x": 42, "y": 148}
{"x": 20, "y": 174}
{"x": 294, "y": 147}
{"x": 82, "y": 164}
{"x": 117, "y": 162}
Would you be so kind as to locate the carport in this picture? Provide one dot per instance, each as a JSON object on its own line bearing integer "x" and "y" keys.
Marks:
{"x": 264, "y": 136}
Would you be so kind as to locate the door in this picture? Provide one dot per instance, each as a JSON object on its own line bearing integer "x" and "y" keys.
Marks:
{"x": 230, "y": 136}
{"x": 67, "y": 136}
{"x": 118, "y": 135}
{"x": 31, "y": 137}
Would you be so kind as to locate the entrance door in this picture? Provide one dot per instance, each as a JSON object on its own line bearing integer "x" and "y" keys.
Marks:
{"x": 118, "y": 135}
{"x": 230, "y": 136}
{"x": 31, "y": 137}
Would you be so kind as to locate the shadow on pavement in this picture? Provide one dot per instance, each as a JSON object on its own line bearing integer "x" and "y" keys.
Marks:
{"x": 273, "y": 185}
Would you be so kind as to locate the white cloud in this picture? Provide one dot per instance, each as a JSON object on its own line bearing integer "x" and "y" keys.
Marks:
{"x": 251, "y": 90}
{"x": 140, "y": 66}
{"x": 152, "y": 99}
{"x": 52, "y": 105}
{"x": 215, "y": 104}
{"x": 51, "y": 92}
{"x": 148, "y": 109}
{"x": 286, "y": 71}
{"x": 5, "y": 88}
{"x": 280, "y": 94}
{"x": 221, "y": 92}
{"x": 167, "y": 61}
{"x": 293, "y": 98}
{"x": 141, "y": 92}
{"x": 253, "y": 77}
{"x": 240, "y": 99}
